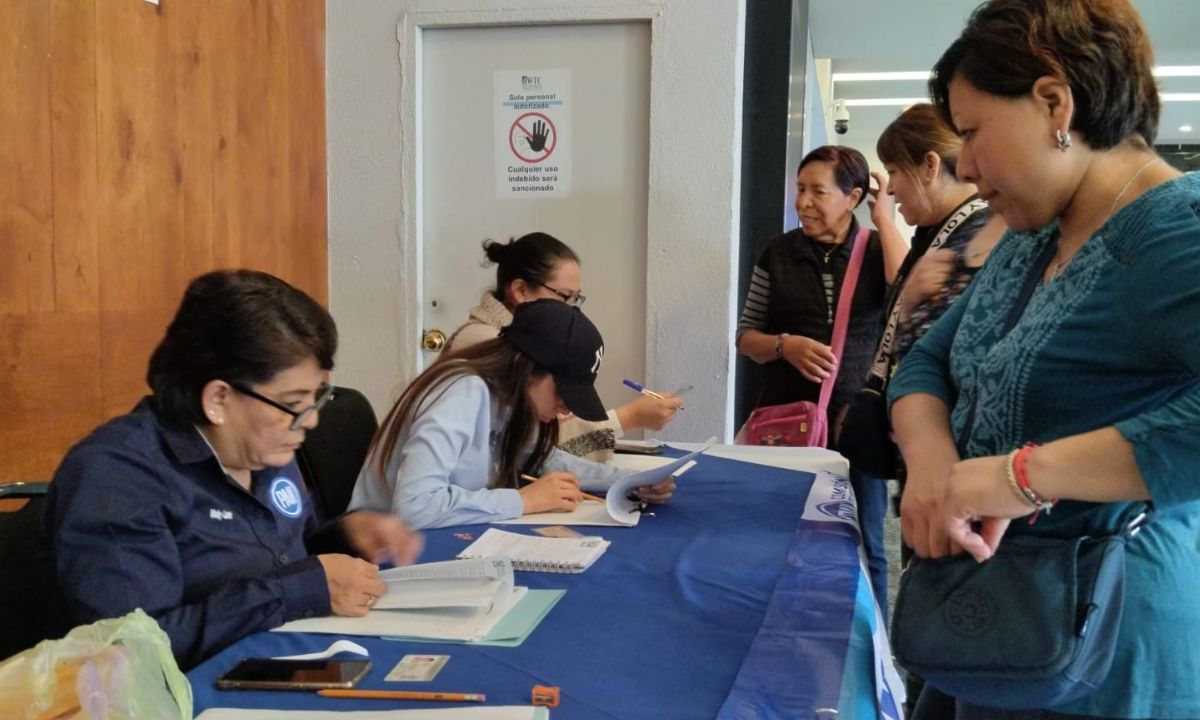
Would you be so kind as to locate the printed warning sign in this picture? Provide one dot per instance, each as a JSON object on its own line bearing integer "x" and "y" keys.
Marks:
{"x": 533, "y": 135}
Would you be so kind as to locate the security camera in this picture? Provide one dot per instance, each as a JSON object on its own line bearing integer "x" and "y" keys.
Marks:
{"x": 841, "y": 117}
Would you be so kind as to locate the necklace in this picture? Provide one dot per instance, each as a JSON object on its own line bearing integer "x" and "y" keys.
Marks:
{"x": 1061, "y": 262}
{"x": 825, "y": 255}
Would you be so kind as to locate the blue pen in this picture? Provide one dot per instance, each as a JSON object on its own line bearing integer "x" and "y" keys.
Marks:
{"x": 638, "y": 387}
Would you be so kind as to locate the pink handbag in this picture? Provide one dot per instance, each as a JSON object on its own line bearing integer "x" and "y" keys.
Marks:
{"x": 805, "y": 423}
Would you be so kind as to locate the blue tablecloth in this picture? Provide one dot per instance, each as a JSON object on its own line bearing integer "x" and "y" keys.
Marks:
{"x": 721, "y": 603}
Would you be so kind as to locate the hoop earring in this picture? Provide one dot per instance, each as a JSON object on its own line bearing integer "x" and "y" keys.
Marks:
{"x": 1064, "y": 140}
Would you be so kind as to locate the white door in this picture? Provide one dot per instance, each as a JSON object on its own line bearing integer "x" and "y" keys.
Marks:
{"x": 603, "y": 215}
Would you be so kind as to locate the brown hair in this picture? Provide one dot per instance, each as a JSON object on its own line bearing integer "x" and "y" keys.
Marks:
{"x": 533, "y": 257}
{"x": 1098, "y": 47}
{"x": 917, "y": 131}
{"x": 507, "y": 372}
{"x": 850, "y": 169}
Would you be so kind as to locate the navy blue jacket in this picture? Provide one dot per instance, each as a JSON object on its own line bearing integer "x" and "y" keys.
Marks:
{"x": 141, "y": 514}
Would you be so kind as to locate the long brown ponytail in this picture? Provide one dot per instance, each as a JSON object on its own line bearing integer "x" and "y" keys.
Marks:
{"x": 507, "y": 373}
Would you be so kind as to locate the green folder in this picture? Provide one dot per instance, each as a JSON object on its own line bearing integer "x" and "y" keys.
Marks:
{"x": 513, "y": 628}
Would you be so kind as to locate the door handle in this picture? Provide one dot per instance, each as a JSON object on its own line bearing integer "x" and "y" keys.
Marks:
{"x": 433, "y": 340}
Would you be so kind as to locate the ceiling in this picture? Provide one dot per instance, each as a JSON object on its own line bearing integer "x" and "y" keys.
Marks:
{"x": 885, "y": 35}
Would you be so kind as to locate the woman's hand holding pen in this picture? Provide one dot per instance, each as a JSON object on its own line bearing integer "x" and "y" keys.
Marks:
{"x": 648, "y": 412}
{"x": 552, "y": 492}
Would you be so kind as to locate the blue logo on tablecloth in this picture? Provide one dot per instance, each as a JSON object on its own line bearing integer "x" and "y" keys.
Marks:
{"x": 841, "y": 509}
{"x": 285, "y": 496}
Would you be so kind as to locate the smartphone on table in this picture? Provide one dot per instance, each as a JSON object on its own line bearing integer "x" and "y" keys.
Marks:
{"x": 270, "y": 674}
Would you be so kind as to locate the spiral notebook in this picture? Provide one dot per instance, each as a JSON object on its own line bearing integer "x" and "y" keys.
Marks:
{"x": 537, "y": 554}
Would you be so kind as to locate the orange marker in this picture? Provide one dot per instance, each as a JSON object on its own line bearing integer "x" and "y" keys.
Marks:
{"x": 403, "y": 695}
{"x": 584, "y": 495}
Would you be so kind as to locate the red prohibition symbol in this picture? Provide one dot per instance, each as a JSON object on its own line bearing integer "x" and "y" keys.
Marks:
{"x": 535, "y": 134}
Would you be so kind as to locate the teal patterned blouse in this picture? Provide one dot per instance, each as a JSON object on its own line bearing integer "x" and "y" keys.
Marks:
{"x": 1113, "y": 340}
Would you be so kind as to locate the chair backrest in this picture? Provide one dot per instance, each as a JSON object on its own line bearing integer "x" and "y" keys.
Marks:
{"x": 24, "y": 567}
{"x": 334, "y": 451}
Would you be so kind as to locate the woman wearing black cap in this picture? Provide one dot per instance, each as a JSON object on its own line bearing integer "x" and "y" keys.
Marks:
{"x": 453, "y": 449}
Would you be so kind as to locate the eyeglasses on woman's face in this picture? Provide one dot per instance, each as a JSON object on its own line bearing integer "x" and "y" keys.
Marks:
{"x": 571, "y": 298}
{"x": 299, "y": 416}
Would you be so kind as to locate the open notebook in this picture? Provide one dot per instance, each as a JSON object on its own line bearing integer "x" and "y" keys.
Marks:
{"x": 538, "y": 554}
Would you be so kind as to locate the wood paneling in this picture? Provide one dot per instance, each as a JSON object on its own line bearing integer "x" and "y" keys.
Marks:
{"x": 139, "y": 147}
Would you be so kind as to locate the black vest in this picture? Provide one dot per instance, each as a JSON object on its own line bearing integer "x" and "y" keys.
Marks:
{"x": 798, "y": 307}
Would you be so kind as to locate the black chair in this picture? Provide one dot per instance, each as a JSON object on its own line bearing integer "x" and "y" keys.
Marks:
{"x": 334, "y": 451}
{"x": 24, "y": 567}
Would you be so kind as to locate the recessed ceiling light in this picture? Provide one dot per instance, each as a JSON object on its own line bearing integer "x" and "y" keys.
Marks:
{"x": 1177, "y": 71}
{"x": 877, "y": 76}
{"x": 1185, "y": 128}
{"x": 1160, "y": 71}
{"x": 885, "y": 102}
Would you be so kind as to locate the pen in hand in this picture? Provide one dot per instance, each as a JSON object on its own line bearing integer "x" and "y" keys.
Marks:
{"x": 638, "y": 387}
{"x": 584, "y": 495}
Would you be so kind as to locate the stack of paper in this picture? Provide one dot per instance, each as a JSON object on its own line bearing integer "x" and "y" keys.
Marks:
{"x": 450, "y": 601}
{"x": 539, "y": 554}
{"x": 456, "y": 583}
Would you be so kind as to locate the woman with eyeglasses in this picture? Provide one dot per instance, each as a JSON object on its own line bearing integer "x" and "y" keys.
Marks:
{"x": 536, "y": 266}
{"x": 191, "y": 506}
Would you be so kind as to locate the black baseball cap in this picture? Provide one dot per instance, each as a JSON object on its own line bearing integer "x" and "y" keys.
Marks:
{"x": 561, "y": 339}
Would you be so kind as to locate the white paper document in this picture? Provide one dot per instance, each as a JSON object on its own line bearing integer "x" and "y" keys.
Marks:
{"x": 466, "y": 624}
{"x": 454, "y": 583}
{"x": 498, "y": 712}
{"x": 618, "y": 510}
{"x": 538, "y": 554}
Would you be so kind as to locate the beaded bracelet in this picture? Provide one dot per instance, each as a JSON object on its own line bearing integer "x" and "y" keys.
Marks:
{"x": 1020, "y": 461}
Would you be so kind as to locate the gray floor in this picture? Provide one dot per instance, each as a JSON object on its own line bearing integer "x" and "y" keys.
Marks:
{"x": 891, "y": 543}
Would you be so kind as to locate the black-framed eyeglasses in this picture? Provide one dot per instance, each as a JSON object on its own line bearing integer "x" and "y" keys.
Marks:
{"x": 571, "y": 298}
{"x": 299, "y": 417}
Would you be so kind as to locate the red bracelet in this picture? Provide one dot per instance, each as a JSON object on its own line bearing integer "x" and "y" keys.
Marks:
{"x": 1020, "y": 462}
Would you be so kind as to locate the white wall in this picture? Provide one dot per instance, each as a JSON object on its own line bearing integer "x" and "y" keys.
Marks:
{"x": 693, "y": 193}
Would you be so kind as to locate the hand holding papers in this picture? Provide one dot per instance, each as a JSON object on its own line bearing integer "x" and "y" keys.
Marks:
{"x": 618, "y": 509}
{"x": 455, "y": 583}
{"x": 453, "y": 600}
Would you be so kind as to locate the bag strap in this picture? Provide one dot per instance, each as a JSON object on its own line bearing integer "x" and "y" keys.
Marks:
{"x": 841, "y": 316}
{"x": 883, "y": 352}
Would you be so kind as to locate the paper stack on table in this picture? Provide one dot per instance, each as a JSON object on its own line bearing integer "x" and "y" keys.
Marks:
{"x": 450, "y": 601}
{"x": 455, "y": 583}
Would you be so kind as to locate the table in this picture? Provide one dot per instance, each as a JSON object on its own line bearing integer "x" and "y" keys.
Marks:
{"x": 744, "y": 597}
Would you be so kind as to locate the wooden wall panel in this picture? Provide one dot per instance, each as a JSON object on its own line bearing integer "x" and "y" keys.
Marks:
{"x": 149, "y": 144}
{"x": 26, "y": 219}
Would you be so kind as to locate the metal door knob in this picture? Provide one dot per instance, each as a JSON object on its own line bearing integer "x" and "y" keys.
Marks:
{"x": 434, "y": 340}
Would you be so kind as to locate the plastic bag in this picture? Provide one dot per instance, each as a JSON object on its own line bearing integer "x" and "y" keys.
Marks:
{"x": 119, "y": 669}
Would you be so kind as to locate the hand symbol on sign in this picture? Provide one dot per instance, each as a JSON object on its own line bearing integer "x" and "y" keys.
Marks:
{"x": 537, "y": 143}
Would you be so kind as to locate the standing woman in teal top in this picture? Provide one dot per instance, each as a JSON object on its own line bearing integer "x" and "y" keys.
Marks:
{"x": 1058, "y": 110}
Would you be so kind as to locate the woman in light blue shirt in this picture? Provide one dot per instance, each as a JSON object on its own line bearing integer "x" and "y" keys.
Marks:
{"x": 454, "y": 447}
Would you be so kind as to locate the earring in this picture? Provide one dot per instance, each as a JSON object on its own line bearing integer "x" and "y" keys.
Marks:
{"x": 1064, "y": 140}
